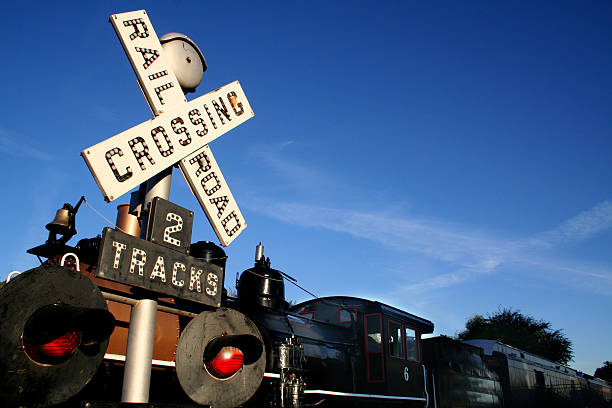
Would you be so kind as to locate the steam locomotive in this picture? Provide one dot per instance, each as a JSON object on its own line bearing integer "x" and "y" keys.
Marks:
{"x": 64, "y": 334}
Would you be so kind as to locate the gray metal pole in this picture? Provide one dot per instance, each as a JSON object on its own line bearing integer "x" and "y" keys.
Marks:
{"x": 141, "y": 334}
{"x": 158, "y": 186}
{"x": 139, "y": 355}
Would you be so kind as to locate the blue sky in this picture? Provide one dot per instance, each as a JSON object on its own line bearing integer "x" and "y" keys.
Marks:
{"x": 447, "y": 159}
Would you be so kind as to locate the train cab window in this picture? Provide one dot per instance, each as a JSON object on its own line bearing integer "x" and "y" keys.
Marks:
{"x": 396, "y": 348}
{"x": 374, "y": 338}
{"x": 312, "y": 314}
{"x": 412, "y": 351}
{"x": 375, "y": 365}
{"x": 347, "y": 314}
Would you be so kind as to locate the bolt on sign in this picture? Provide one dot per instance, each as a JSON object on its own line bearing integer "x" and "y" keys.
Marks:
{"x": 161, "y": 265}
{"x": 180, "y": 130}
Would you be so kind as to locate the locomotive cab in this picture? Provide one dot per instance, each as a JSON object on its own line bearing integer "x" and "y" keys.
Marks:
{"x": 386, "y": 364}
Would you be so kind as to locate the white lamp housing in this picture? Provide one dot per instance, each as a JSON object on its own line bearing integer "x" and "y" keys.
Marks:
{"x": 185, "y": 59}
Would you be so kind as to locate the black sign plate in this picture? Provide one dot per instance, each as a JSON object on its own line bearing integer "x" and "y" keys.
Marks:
{"x": 134, "y": 261}
{"x": 169, "y": 225}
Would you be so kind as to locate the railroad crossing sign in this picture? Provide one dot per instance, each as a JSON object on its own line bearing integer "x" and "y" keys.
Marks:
{"x": 179, "y": 133}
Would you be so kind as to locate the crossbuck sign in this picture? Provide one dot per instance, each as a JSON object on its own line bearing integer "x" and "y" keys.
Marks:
{"x": 179, "y": 133}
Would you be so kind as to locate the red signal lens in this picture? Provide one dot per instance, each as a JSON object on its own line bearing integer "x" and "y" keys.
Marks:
{"x": 226, "y": 363}
{"x": 56, "y": 351}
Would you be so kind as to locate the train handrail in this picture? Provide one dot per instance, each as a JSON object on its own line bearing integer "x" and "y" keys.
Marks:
{"x": 72, "y": 254}
{"x": 425, "y": 386}
{"x": 11, "y": 274}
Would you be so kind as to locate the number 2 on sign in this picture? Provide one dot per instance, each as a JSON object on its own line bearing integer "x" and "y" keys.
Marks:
{"x": 173, "y": 228}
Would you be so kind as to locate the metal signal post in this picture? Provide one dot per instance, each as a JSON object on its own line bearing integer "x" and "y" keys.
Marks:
{"x": 141, "y": 333}
{"x": 139, "y": 353}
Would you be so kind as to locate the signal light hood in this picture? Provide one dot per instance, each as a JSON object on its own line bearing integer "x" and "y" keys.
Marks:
{"x": 52, "y": 321}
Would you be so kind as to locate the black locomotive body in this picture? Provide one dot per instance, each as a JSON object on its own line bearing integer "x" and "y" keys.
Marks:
{"x": 385, "y": 343}
{"x": 354, "y": 350}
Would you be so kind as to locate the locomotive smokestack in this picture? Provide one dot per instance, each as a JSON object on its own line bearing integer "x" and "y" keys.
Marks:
{"x": 261, "y": 285}
{"x": 259, "y": 253}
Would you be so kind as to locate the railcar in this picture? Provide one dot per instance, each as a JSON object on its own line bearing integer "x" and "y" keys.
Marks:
{"x": 488, "y": 373}
{"x": 528, "y": 380}
{"x": 459, "y": 376}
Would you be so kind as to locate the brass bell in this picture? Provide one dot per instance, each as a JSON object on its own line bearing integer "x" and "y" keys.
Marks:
{"x": 61, "y": 222}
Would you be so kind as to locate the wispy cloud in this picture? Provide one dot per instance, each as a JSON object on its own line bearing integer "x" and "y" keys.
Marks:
{"x": 276, "y": 157}
{"x": 583, "y": 226}
{"x": 467, "y": 252}
{"x": 579, "y": 274}
{"x": 428, "y": 237}
{"x": 470, "y": 253}
{"x": 20, "y": 147}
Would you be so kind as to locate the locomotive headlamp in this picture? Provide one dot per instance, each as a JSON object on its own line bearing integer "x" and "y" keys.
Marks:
{"x": 185, "y": 59}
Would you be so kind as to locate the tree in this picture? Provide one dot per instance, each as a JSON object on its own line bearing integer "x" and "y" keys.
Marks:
{"x": 520, "y": 331}
{"x": 605, "y": 372}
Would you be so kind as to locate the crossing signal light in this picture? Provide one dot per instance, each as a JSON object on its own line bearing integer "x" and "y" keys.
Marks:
{"x": 55, "y": 351}
{"x": 225, "y": 363}
{"x": 220, "y": 358}
{"x": 54, "y": 334}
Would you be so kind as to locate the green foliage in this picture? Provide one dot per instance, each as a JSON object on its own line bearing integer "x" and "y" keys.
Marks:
{"x": 520, "y": 331}
{"x": 605, "y": 372}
